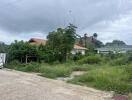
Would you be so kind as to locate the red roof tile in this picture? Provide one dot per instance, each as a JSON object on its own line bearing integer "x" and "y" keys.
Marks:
{"x": 35, "y": 41}
{"x": 79, "y": 47}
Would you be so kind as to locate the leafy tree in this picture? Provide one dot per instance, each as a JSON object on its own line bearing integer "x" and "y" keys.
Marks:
{"x": 69, "y": 40}
{"x": 98, "y": 44}
{"x": 19, "y": 50}
{"x": 95, "y": 35}
{"x": 95, "y": 43}
{"x": 62, "y": 41}
{"x": 46, "y": 54}
{"x": 3, "y": 47}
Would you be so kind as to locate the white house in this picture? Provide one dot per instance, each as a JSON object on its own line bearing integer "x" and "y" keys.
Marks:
{"x": 78, "y": 49}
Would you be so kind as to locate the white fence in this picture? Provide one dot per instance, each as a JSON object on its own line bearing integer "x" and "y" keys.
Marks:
{"x": 2, "y": 59}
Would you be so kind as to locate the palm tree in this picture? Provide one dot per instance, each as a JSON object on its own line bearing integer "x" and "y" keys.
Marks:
{"x": 95, "y": 35}
{"x": 85, "y": 38}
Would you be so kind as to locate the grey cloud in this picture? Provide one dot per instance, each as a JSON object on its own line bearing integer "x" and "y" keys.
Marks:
{"x": 41, "y": 15}
{"x": 32, "y": 16}
{"x": 23, "y": 16}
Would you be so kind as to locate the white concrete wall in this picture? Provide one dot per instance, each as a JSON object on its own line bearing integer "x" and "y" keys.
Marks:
{"x": 2, "y": 59}
{"x": 74, "y": 51}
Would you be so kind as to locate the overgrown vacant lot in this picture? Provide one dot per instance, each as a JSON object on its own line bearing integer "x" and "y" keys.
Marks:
{"x": 100, "y": 76}
{"x": 109, "y": 78}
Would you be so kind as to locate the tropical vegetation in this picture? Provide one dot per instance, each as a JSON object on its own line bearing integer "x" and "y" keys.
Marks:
{"x": 110, "y": 72}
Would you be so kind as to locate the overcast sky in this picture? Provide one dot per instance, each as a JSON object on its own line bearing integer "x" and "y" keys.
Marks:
{"x": 24, "y": 19}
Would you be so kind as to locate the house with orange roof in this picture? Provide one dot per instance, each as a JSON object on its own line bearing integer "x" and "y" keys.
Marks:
{"x": 76, "y": 48}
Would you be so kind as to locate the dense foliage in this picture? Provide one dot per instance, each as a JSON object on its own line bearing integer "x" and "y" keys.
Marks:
{"x": 61, "y": 42}
{"x": 3, "y": 47}
{"x": 19, "y": 51}
{"x": 90, "y": 60}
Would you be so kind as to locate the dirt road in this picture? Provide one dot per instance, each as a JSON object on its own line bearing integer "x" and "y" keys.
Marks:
{"x": 16, "y": 85}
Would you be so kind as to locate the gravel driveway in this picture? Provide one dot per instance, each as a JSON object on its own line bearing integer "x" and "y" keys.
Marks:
{"x": 15, "y": 85}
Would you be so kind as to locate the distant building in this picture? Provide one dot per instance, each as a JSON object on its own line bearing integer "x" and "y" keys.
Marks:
{"x": 114, "y": 49}
{"x": 76, "y": 49}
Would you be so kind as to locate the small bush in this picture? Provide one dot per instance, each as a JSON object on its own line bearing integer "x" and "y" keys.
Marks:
{"x": 122, "y": 60}
{"x": 79, "y": 68}
{"x": 84, "y": 67}
{"x": 90, "y": 60}
{"x": 77, "y": 56}
{"x": 119, "y": 61}
{"x": 13, "y": 64}
{"x": 128, "y": 69}
{"x": 55, "y": 71}
{"x": 32, "y": 67}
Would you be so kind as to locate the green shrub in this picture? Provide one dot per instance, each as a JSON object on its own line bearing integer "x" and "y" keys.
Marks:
{"x": 90, "y": 60}
{"x": 84, "y": 67}
{"x": 77, "y": 56}
{"x": 119, "y": 61}
{"x": 79, "y": 68}
{"x": 32, "y": 67}
{"x": 13, "y": 64}
{"x": 128, "y": 69}
{"x": 122, "y": 60}
{"x": 55, "y": 71}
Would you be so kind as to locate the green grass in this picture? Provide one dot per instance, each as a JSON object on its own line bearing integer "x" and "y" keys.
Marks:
{"x": 90, "y": 60}
{"x": 107, "y": 78}
{"x": 46, "y": 70}
{"x": 61, "y": 70}
{"x": 55, "y": 71}
{"x": 30, "y": 67}
{"x": 83, "y": 67}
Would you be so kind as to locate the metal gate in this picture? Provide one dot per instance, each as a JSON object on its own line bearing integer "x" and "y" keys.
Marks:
{"x": 2, "y": 59}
